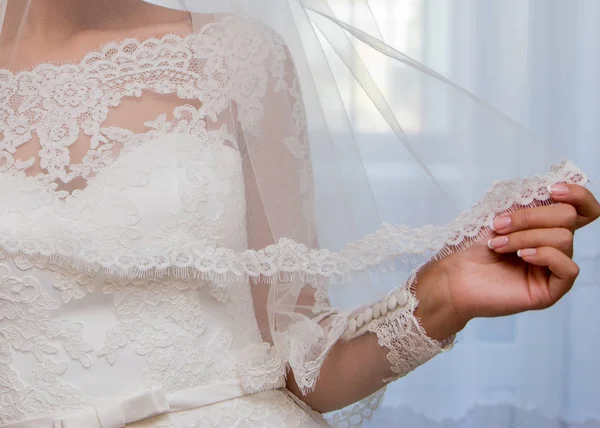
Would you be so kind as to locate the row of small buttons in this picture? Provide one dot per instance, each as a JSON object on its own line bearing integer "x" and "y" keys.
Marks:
{"x": 398, "y": 299}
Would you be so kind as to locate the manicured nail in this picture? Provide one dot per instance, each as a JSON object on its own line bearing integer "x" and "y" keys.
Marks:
{"x": 501, "y": 223}
{"x": 526, "y": 252}
{"x": 558, "y": 190}
{"x": 497, "y": 242}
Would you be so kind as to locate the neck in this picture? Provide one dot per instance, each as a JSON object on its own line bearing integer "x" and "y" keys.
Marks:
{"x": 57, "y": 20}
{"x": 50, "y": 20}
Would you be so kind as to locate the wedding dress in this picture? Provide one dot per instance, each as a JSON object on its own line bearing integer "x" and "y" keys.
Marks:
{"x": 72, "y": 338}
{"x": 129, "y": 263}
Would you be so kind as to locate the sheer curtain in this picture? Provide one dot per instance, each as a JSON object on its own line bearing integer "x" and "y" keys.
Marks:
{"x": 539, "y": 62}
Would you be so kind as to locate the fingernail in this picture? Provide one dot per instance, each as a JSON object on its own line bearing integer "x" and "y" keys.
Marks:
{"x": 497, "y": 242}
{"x": 526, "y": 252}
{"x": 501, "y": 223}
{"x": 558, "y": 190}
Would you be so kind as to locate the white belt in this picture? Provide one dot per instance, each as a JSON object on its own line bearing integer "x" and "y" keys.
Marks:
{"x": 116, "y": 413}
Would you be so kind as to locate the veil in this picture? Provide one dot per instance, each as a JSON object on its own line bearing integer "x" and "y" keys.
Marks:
{"x": 348, "y": 151}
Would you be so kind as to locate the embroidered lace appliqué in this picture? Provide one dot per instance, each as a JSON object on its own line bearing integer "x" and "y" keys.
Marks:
{"x": 28, "y": 327}
{"x": 59, "y": 104}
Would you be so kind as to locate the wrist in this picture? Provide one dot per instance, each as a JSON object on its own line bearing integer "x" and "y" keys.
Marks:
{"x": 437, "y": 312}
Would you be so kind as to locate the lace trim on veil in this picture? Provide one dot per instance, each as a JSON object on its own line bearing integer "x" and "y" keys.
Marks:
{"x": 288, "y": 260}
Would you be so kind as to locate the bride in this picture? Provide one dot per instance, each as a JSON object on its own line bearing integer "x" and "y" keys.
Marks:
{"x": 160, "y": 263}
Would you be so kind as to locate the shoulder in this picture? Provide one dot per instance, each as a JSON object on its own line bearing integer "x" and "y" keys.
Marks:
{"x": 240, "y": 36}
{"x": 245, "y": 50}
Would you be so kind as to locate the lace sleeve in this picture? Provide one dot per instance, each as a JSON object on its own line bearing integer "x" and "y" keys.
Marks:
{"x": 295, "y": 316}
{"x": 278, "y": 177}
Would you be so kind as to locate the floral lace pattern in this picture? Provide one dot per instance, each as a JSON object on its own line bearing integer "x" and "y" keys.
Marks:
{"x": 403, "y": 336}
{"x": 60, "y": 104}
{"x": 261, "y": 368}
{"x": 164, "y": 322}
{"x": 273, "y": 409}
{"x": 27, "y": 327}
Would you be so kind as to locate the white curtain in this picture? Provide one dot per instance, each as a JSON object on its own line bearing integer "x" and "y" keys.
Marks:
{"x": 539, "y": 62}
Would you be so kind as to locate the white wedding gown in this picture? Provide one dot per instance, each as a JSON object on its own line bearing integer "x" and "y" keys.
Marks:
{"x": 125, "y": 220}
{"x": 84, "y": 347}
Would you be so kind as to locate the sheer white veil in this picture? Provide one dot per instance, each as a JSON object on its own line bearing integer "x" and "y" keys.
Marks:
{"x": 351, "y": 148}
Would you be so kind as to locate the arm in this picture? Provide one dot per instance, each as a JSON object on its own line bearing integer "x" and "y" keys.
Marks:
{"x": 358, "y": 367}
{"x": 456, "y": 289}
{"x": 448, "y": 294}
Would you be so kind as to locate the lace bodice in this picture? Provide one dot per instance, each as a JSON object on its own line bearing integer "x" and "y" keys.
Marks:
{"x": 90, "y": 206}
{"x": 71, "y": 111}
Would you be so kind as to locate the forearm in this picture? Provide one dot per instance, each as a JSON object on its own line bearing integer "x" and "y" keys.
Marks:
{"x": 352, "y": 371}
{"x": 358, "y": 367}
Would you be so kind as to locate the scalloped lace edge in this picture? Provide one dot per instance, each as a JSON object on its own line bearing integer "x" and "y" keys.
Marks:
{"x": 287, "y": 260}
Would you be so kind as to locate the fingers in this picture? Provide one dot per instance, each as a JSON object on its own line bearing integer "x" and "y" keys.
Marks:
{"x": 553, "y": 216}
{"x": 584, "y": 202}
{"x": 559, "y": 238}
{"x": 577, "y": 207}
{"x": 563, "y": 270}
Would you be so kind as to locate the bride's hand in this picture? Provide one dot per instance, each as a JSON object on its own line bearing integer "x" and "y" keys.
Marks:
{"x": 526, "y": 265}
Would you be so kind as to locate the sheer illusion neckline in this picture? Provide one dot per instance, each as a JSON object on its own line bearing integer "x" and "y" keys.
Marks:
{"x": 116, "y": 43}
{"x": 98, "y": 54}
{"x": 110, "y": 64}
